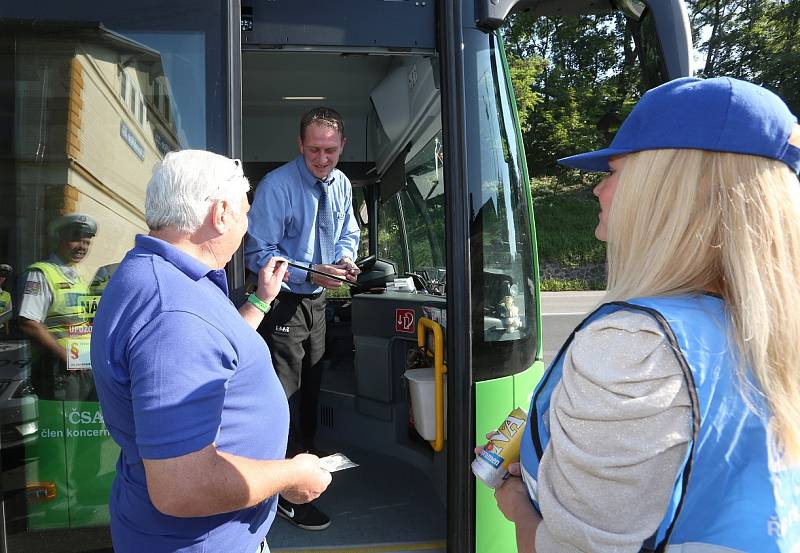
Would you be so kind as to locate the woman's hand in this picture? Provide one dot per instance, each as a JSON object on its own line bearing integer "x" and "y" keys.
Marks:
{"x": 515, "y": 504}
{"x": 270, "y": 277}
{"x": 513, "y": 499}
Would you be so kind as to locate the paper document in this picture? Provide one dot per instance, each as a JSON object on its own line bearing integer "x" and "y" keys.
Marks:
{"x": 337, "y": 461}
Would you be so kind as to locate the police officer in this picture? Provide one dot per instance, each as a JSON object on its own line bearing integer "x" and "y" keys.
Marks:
{"x": 5, "y": 295}
{"x": 55, "y": 316}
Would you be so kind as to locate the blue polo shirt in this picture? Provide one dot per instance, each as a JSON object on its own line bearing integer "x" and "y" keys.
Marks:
{"x": 177, "y": 368}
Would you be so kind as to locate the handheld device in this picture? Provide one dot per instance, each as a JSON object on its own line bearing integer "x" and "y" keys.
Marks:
{"x": 326, "y": 275}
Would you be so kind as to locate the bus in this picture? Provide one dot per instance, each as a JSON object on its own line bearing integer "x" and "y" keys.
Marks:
{"x": 443, "y": 338}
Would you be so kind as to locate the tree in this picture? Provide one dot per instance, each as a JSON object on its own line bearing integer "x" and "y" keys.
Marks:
{"x": 579, "y": 78}
{"x": 576, "y": 78}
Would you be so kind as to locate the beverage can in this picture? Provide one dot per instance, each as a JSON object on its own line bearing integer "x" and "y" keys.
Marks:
{"x": 491, "y": 464}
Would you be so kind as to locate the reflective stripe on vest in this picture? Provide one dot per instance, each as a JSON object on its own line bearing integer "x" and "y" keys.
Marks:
{"x": 725, "y": 493}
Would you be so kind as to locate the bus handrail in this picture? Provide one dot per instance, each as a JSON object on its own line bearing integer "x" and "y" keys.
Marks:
{"x": 439, "y": 369}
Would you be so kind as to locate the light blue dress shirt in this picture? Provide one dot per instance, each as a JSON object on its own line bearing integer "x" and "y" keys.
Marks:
{"x": 283, "y": 221}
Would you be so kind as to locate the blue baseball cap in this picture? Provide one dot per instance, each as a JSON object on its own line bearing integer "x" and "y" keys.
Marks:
{"x": 720, "y": 115}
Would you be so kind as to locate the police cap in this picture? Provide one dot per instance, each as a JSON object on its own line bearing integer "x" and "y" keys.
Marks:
{"x": 5, "y": 269}
{"x": 73, "y": 226}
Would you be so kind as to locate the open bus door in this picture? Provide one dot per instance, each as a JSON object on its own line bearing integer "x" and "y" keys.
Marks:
{"x": 98, "y": 92}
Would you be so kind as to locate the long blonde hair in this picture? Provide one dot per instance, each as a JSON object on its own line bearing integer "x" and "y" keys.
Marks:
{"x": 687, "y": 221}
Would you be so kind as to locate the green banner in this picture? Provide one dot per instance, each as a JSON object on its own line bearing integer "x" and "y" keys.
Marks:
{"x": 72, "y": 466}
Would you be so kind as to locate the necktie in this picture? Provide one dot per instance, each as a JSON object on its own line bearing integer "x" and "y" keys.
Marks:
{"x": 325, "y": 227}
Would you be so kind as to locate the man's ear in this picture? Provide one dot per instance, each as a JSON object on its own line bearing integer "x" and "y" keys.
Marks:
{"x": 300, "y": 144}
{"x": 220, "y": 215}
{"x": 344, "y": 141}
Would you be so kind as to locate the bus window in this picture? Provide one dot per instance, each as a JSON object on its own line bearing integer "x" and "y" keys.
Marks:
{"x": 423, "y": 209}
{"x": 391, "y": 235}
{"x": 651, "y": 61}
{"x": 96, "y": 98}
{"x": 361, "y": 212}
{"x": 502, "y": 248}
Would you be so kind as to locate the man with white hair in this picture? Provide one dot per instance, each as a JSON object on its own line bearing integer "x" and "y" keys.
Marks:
{"x": 185, "y": 383}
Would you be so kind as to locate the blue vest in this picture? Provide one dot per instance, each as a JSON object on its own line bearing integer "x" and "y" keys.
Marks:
{"x": 732, "y": 490}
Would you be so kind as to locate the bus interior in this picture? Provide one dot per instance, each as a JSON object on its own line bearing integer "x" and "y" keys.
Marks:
{"x": 393, "y": 148}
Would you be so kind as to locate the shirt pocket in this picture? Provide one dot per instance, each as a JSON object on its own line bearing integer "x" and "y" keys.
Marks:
{"x": 338, "y": 221}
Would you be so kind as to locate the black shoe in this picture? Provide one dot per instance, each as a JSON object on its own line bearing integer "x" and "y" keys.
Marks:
{"x": 304, "y": 516}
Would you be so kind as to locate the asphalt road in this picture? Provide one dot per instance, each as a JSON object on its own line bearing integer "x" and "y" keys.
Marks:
{"x": 561, "y": 312}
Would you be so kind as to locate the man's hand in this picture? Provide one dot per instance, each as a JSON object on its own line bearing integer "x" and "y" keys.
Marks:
{"x": 270, "y": 277}
{"x": 333, "y": 270}
{"x": 311, "y": 480}
{"x": 351, "y": 268}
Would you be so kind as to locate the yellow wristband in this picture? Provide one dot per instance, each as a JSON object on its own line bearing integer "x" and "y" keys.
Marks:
{"x": 258, "y": 303}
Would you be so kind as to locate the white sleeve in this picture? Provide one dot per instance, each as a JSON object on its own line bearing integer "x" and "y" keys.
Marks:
{"x": 36, "y": 297}
{"x": 620, "y": 423}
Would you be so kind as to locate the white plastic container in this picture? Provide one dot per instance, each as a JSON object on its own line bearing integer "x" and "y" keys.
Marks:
{"x": 423, "y": 401}
{"x": 404, "y": 284}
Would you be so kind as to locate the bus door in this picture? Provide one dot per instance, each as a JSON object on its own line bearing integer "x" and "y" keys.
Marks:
{"x": 376, "y": 63}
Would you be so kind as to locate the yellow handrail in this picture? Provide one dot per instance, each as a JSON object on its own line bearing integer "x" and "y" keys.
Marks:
{"x": 439, "y": 369}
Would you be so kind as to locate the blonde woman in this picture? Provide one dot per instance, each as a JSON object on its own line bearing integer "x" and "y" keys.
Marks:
{"x": 671, "y": 419}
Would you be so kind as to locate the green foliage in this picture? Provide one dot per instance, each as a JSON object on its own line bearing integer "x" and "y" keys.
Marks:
{"x": 582, "y": 79}
{"x": 342, "y": 291}
{"x": 524, "y": 72}
{"x": 566, "y": 216}
{"x": 570, "y": 257}
{"x": 570, "y": 284}
{"x": 577, "y": 78}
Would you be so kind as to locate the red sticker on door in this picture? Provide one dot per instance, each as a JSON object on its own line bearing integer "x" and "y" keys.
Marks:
{"x": 404, "y": 320}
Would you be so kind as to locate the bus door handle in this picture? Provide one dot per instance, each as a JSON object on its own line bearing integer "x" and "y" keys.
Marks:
{"x": 424, "y": 326}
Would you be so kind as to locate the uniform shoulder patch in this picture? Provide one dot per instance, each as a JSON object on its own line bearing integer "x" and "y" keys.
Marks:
{"x": 33, "y": 288}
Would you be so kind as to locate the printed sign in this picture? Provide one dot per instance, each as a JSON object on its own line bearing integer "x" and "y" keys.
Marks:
{"x": 129, "y": 138}
{"x": 404, "y": 320}
{"x": 78, "y": 342}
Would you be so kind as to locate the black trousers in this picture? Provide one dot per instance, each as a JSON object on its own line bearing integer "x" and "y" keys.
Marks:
{"x": 294, "y": 329}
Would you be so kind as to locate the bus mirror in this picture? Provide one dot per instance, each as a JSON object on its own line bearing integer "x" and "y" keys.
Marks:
{"x": 490, "y": 14}
{"x": 394, "y": 179}
{"x": 665, "y": 24}
{"x": 632, "y": 8}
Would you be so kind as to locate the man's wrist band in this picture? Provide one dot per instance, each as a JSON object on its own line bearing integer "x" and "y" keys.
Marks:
{"x": 262, "y": 306}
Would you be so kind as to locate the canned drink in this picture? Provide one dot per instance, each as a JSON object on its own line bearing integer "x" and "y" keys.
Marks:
{"x": 491, "y": 464}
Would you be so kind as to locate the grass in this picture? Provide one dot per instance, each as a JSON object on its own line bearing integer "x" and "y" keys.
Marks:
{"x": 570, "y": 257}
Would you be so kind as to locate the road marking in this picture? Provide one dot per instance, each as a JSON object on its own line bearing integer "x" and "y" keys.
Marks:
{"x": 575, "y": 314}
